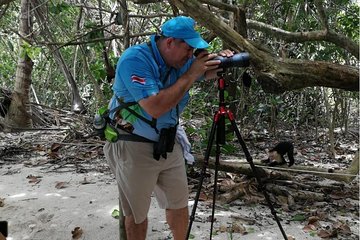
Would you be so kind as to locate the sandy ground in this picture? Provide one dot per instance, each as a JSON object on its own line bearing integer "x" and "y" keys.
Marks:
{"x": 37, "y": 210}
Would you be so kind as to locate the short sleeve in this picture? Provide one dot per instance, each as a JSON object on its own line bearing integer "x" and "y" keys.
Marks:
{"x": 139, "y": 75}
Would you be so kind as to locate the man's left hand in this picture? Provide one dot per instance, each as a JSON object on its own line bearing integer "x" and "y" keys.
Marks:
{"x": 212, "y": 74}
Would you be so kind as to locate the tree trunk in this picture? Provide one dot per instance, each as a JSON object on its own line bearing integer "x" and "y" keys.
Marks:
{"x": 330, "y": 122}
{"x": 19, "y": 114}
{"x": 240, "y": 166}
{"x": 276, "y": 75}
{"x": 125, "y": 20}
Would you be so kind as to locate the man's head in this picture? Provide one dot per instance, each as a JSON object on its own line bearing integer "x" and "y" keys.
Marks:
{"x": 178, "y": 40}
{"x": 183, "y": 28}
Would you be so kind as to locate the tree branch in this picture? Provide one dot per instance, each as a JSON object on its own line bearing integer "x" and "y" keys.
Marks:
{"x": 327, "y": 35}
{"x": 276, "y": 75}
{"x": 3, "y": 11}
{"x": 145, "y": 1}
{"x": 74, "y": 42}
{"x": 322, "y": 15}
{"x": 323, "y": 35}
{"x": 3, "y": 2}
{"x": 223, "y": 6}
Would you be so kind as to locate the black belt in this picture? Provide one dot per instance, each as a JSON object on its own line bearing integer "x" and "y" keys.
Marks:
{"x": 127, "y": 136}
{"x": 134, "y": 138}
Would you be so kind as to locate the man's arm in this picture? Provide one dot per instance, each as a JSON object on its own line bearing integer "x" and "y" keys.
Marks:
{"x": 213, "y": 74}
{"x": 168, "y": 98}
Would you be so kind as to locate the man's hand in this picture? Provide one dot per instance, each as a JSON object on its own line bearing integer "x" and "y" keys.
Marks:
{"x": 203, "y": 62}
{"x": 213, "y": 73}
{"x": 226, "y": 53}
{"x": 2, "y": 237}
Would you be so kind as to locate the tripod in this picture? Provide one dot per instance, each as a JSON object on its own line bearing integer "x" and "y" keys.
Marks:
{"x": 218, "y": 127}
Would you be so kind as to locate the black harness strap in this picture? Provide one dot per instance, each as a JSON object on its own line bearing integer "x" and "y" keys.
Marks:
{"x": 128, "y": 136}
{"x": 153, "y": 121}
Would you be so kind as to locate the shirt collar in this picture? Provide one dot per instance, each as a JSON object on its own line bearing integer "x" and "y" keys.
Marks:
{"x": 156, "y": 52}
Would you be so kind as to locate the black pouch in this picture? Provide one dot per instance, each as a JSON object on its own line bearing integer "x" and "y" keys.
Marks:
{"x": 4, "y": 228}
{"x": 166, "y": 142}
{"x": 160, "y": 147}
{"x": 170, "y": 139}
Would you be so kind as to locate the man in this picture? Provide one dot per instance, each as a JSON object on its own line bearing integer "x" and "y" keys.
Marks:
{"x": 155, "y": 77}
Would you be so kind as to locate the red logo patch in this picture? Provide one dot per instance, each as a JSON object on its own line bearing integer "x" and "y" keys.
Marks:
{"x": 137, "y": 79}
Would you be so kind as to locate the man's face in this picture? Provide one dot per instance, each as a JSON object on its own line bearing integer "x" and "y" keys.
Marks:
{"x": 179, "y": 53}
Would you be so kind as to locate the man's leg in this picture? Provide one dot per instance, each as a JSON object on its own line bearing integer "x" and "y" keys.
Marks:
{"x": 135, "y": 231}
{"x": 178, "y": 221}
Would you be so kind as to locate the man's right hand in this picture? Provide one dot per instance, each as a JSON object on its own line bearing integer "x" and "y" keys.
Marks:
{"x": 203, "y": 63}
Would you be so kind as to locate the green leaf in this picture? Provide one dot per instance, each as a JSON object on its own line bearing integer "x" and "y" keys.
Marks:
{"x": 115, "y": 214}
{"x": 29, "y": 50}
{"x": 10, "y": 45}
{"x": 298, "y": 218}
{"x": 59, "y": 7}
{"x": 228, "y": 148}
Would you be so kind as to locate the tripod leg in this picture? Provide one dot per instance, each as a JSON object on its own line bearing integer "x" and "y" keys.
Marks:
{"x": 257, "y": 176}
{"x": 203, "y": 173}
{"x": 217, "y": 163}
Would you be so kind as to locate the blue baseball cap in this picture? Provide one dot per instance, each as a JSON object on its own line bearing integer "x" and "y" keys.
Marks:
{"x": 182, "y": 27}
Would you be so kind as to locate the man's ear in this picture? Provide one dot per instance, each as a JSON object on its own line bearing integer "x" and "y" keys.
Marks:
{"x": 169, "y": 41}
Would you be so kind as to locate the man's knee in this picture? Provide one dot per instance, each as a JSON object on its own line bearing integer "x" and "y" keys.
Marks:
{"x": 177, "y": 214}
{"x": 135, "y": 231}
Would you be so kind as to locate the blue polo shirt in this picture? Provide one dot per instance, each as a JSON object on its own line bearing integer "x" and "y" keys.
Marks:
{"x": 140, "y": 73}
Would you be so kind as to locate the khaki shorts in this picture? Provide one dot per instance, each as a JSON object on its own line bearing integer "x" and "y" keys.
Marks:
{"x": 138, "y": 175}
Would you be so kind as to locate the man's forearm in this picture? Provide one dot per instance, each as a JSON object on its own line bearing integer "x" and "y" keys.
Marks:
{"x": 169, "y": 97}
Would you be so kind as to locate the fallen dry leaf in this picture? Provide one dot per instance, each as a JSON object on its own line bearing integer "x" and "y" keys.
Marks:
{"x": 313, "y": 219}
{"x": 77, "y": 233}
{"x": 238, "y": 228}
{"x": 226, "y": 184}
{"x": 309, "y": 228}
{"x": 321, "y": 215}
{"x": 342, "y": 227}
{"x": 208, "y": 219}
{"x": 60, "y": 185}
{"x": 53, "y": 155}
{"x": 323, "y": 233}
{"x": 39, "y": 147}
{"x": 55, "y": 147}
{"x": 222, "y": 228}
{"x": 34, "y": 179}
{"x": 203, "y": 196}
{"x": 327, "y": 233}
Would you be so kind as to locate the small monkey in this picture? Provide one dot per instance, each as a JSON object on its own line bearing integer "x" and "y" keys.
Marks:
{"x": 276, "y": 154}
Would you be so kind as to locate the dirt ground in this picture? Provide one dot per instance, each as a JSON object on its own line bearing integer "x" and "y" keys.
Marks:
{"x": 65, "y": 191}
{"x": 37, "y": 209}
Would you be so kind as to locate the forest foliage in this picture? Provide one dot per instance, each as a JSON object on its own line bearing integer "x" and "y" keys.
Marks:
{"x": 91, "y": 35}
